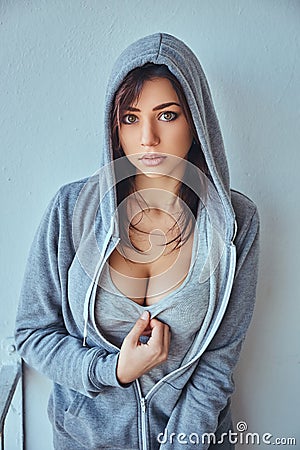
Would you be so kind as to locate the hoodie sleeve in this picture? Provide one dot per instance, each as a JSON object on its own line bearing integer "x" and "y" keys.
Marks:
{"x": 209, "y": 389}
{"x": 41, "y": 333}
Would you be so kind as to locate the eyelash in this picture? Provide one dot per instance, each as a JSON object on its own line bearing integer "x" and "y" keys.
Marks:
{"x": 174, "y": 117}
{"x": 126, "y": 117}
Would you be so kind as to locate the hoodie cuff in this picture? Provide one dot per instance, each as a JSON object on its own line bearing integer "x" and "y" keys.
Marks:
{"x": 104, "y": 371}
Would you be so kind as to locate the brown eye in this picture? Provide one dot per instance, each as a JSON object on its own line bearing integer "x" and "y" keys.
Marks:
{"x": 129, "y": 118}
{"x": 168, "y": 116}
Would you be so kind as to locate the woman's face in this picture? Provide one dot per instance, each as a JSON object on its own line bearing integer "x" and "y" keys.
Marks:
{"x": 154, "y": 132}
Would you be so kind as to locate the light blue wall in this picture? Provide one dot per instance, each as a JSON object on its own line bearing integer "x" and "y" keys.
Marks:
{"x": 55, "y": 57}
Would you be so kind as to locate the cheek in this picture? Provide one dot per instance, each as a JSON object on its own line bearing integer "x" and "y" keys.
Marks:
{"x": 129, "y": 140}
{"x": 126, "y": 140}
{"x": 183, "y": 137}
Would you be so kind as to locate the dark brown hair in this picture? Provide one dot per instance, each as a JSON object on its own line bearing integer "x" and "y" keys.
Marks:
{"x": 129, "y": 92}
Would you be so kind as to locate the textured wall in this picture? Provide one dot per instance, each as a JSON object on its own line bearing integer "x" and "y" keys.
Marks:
{"x": 55, "y": 57}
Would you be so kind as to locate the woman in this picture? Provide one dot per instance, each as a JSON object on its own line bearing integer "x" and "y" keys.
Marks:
{"x": 140, "y": 283}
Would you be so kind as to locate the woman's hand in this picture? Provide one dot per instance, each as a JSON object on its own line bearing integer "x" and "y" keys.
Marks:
{"x": 136, "y": 358}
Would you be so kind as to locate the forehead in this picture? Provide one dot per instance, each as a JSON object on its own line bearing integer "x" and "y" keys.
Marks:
{"x": 155, "y": 92}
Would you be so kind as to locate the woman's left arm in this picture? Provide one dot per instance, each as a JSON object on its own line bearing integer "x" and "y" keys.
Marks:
{"x": 207, "y": 392}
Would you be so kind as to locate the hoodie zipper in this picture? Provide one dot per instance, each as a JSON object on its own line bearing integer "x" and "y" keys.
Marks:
{"x": 143, "y": 405}
{"x": 142, "y": 401}
{"x": 144, "y": 416}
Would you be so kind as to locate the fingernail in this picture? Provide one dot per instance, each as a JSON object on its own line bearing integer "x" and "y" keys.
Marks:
{"x": 144, "y": 316}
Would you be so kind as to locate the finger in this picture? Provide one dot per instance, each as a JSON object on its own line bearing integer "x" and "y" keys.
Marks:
{"x": 167, "y": 338}
{"x": 147, "y": 331}
{"x": 137, "y": 330}
{"x": 160, "y": 340}
{"x": 157, "y": 335}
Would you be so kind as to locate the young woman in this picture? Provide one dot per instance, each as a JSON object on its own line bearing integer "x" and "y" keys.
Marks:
{"x": 140, "y": 283}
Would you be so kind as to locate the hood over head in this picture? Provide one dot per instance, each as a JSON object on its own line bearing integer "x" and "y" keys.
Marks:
{"x": 162, "y": 48}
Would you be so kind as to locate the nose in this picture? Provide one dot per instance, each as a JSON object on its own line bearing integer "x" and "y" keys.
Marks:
{"x": 149, "y": 135}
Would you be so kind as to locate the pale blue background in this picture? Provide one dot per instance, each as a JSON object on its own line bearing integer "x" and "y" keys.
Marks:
{"x": 55, "y": 57}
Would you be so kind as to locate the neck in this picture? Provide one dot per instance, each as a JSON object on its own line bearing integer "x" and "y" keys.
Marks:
{"x": 159, "y": 192}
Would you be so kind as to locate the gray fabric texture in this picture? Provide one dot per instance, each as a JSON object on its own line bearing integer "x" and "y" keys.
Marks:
{"x": 88, "y": 407}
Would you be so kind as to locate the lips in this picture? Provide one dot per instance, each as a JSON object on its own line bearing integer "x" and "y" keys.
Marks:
{"x": 153, "y": 159}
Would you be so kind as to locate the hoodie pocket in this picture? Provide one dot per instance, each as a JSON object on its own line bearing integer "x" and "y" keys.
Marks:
{"x": 108, "y": 421}
{"x": 76, "y": 404}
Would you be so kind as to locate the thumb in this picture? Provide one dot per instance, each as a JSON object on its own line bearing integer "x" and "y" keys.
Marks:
{"x": 139, "y": 326}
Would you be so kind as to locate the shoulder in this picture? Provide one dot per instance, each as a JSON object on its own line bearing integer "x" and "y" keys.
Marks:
{"x": 62, "y": 204}
{"x": 69, "y": 194}
{"x": 247, "y": 216}
{"x": 71, "y": 190}
{"x": 243, "y": 206}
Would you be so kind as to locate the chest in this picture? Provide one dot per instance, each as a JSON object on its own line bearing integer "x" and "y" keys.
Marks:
{"x": 152, "y": 267}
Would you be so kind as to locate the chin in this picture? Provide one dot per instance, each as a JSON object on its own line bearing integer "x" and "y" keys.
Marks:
{"x": 151, "y": 174}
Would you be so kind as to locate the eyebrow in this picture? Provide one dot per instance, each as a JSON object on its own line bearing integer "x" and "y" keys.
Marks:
{"x": 156, "y": 108}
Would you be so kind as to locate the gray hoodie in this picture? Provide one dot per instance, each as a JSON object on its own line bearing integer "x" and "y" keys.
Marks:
{"x": 56, "y": 331}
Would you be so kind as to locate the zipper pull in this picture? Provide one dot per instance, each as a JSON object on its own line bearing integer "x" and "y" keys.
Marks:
{"x": 143, "y": 404}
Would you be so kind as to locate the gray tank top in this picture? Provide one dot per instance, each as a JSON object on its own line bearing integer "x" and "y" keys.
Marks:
{"x": 185, "y": 310}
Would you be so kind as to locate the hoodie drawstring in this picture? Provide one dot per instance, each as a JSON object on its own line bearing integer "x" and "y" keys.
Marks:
{"x": 91, "y": 292}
